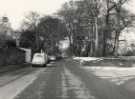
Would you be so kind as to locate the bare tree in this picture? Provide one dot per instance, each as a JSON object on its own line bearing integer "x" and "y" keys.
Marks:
{"x": 30, "y": 23}
{"x": 101, "y": 21}
{"x": 52, "y": 30}
{"x": 30, "y": 20}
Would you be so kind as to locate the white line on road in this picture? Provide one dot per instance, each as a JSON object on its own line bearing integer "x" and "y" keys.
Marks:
{"x": 64, "y": 86}
{"x": 14, "y": 88}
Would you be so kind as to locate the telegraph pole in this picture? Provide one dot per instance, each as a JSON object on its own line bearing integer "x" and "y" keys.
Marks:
{"x": 96, "y": 37}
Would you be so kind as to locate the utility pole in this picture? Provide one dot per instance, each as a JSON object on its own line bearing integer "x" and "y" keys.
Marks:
{"x": 96, "y": 37}
{"x": 92, "y": 38}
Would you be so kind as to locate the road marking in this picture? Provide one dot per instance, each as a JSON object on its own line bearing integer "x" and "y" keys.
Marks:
{"x": 13, "y": 89}
{"x": 64, "y": 86}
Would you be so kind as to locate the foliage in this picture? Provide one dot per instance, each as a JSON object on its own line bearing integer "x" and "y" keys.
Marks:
{"x": 30, "y": 21}
{"x": 11, "y": 56}
{"x": 51, "y": 30}
{"x": 11, "y": 43}
{"x": 99, "y": 23}
{"x": 42, "y": 32}
{"x": 27, "y": 39}
{"x": 6, "y": 34}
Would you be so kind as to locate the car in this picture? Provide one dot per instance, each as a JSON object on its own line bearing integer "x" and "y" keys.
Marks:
{"x": 59, "y": 57}
{"x": 39, "y": 59}
{"x": 52, "y": 58}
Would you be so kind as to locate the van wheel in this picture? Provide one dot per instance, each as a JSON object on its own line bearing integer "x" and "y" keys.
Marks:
{"x": 44, "y": 65}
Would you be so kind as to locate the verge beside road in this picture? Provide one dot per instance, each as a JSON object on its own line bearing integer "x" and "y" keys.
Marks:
{"x": 10, "y": 68}
{"x": 18, "y": 82}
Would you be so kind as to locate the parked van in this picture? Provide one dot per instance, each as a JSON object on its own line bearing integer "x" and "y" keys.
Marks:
{"x": 40, "y": 59}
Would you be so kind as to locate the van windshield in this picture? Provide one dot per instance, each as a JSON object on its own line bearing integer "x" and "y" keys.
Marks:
{"x": 38, "y": 55}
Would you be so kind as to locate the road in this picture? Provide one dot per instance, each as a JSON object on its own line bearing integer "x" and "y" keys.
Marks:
{"x": 65, "y": 79}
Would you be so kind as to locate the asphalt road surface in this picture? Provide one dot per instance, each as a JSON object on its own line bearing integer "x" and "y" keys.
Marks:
{"x": 66, "y": 79}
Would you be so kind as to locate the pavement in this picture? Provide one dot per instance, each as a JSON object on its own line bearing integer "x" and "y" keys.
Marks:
{"x": 67, "y": 79}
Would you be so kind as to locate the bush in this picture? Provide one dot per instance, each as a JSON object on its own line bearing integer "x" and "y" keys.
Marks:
{"x": 11, "y": 56}
{"x": 129, "y": 53}
{"x": 11, "y": 43}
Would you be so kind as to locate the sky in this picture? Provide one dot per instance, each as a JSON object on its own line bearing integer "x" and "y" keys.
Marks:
{"x": 16, "y": 9}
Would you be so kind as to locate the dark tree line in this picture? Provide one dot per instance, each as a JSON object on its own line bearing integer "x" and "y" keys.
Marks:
{"x": 94, "y": 26}
{"x": 42, "y": 32}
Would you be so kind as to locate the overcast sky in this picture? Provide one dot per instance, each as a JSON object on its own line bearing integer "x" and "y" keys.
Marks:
{"x": 15, "y": 9}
